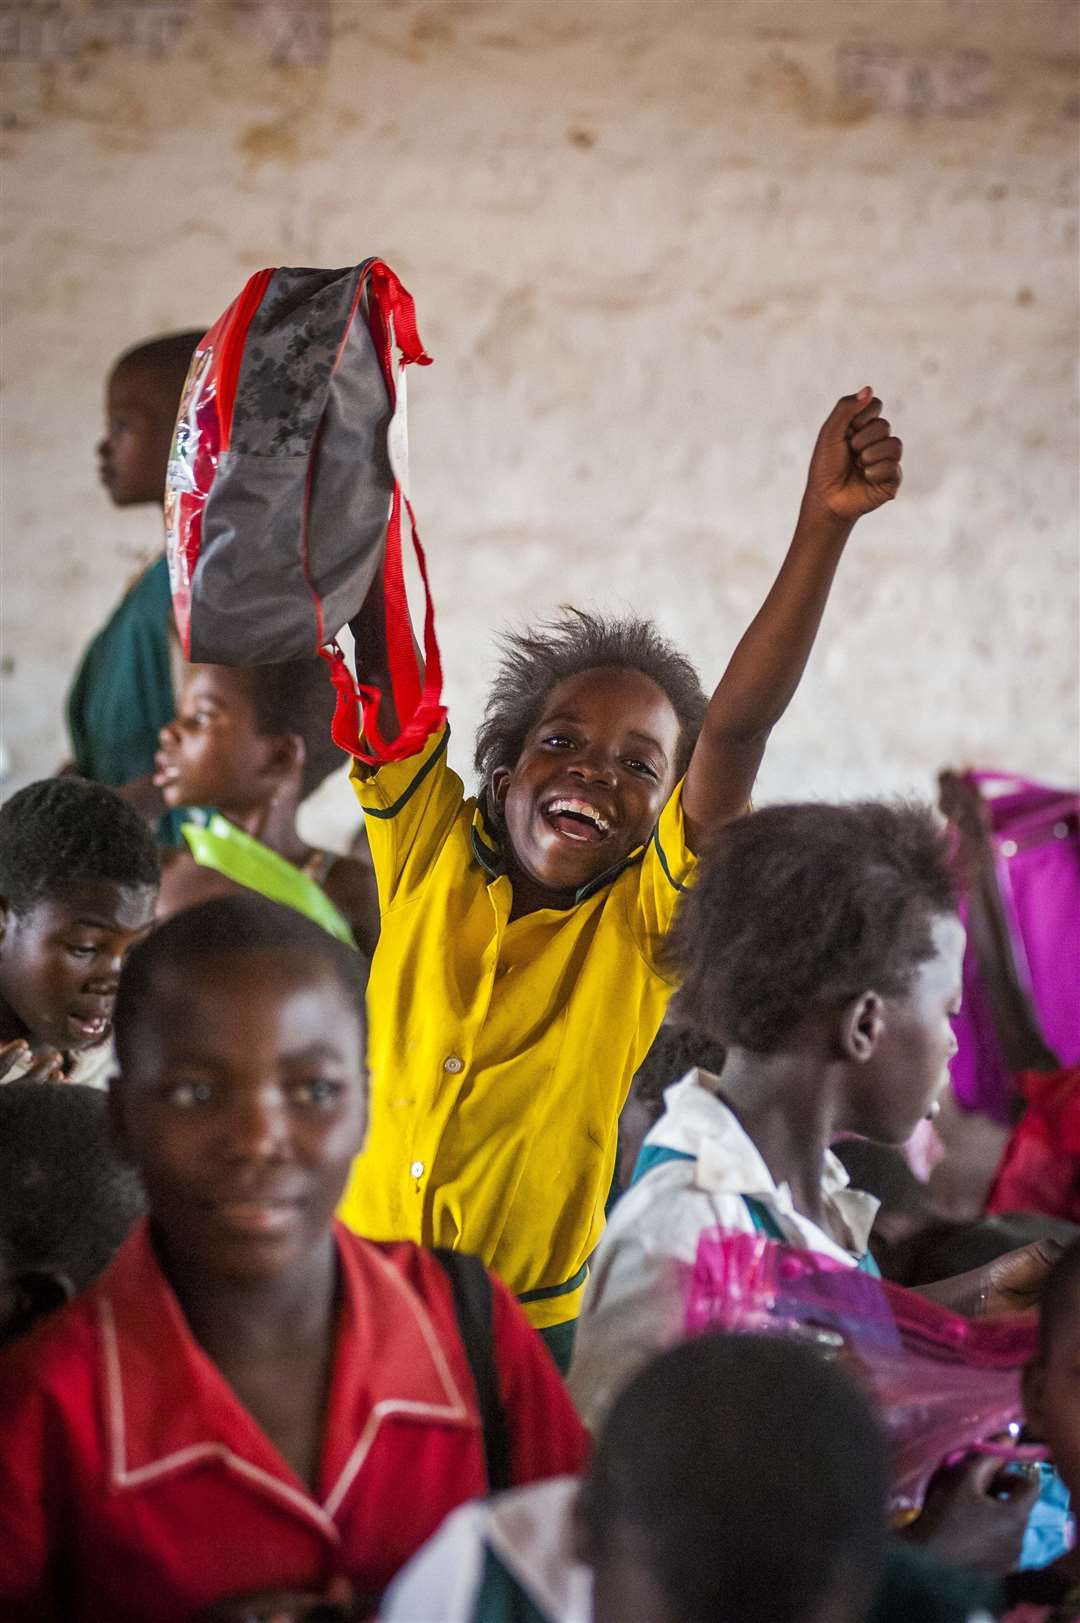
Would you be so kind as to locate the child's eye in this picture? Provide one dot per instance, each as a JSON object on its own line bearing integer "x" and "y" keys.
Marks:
{"x": 321, "y": 1092}
{"x": 189, "y": 1095}
{"x": 558, "y": 741}
{"x": 81, "y": 950}
{"x": 643, "y": 767}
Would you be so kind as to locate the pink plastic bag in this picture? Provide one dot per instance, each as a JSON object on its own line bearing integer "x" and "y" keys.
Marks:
{"x": 942, "y": 1382}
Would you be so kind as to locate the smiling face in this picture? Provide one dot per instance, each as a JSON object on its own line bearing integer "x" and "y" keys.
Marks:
{"x": 140, "y": 411}
{"x": 591, "y": 780}
{"x": 243, "y": 1109}
{"x": 908, "y": 1070}
{"x": 211, "y": 754}
{"x": 60, "y": 962}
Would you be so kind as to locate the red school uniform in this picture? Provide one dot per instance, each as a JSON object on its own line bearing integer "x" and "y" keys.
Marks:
{"x": 134, "y": 1485}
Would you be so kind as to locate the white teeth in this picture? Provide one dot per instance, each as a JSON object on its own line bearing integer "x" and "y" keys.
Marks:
{"x": 580, "y": 808}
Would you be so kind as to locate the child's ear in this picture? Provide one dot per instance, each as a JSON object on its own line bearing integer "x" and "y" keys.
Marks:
{"x": 5, "y": 914}
{"x": 500, "y": 783}
{"x": 1033, "y": 1386}
{"x": 861, "y": 1027}
{"x": 286, "y": 757}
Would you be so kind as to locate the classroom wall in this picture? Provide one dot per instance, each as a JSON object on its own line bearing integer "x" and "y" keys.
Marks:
{"x": 650, "y": 241}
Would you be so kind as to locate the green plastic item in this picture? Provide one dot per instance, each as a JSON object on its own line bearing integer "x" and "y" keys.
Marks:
{"x": 229, "y": 850}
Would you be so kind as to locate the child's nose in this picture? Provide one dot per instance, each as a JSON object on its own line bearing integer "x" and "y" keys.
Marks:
{"x": 593, "y": 769}
{"x": 168, "y": 734}
{"x": 106, "y": 977}
{"x": 255, "y": 1128}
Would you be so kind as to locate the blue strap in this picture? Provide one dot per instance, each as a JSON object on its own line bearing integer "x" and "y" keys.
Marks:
{"x": 655, "y": 1155}
{"x": 765, "y": 1223}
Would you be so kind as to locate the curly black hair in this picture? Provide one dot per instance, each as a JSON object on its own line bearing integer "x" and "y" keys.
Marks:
{"x": 167, "y": 358}
{"x": 796, "y": 906}
{"x": 698, "y": 1457}
{"x": 535, "y": 661}
{"x": 61, "y": 834}
{"x": 67, "y": 1200}
{"x": 226, "y": 926}
{"x": 675, "y": 1051}
{"x": 297, "y": 697}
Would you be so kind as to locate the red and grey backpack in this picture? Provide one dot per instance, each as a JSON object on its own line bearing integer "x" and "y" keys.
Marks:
{"x": 286, "y": 485}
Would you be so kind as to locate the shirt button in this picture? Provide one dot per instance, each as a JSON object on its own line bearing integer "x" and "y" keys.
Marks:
{"x": 453, "y": 1064}
{"x": 417, "y": 1169}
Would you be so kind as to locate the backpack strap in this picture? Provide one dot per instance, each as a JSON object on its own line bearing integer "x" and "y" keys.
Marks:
{"x": 471, "y": 1287}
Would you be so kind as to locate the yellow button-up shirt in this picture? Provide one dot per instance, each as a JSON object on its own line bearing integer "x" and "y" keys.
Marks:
{"x": 501, "y": 1053}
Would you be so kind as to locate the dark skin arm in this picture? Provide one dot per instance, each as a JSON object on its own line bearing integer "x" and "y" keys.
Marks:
{"x": 351, "y": 887}
{"x": 1015, "y": 1022}
{"x": 854, "y": 469}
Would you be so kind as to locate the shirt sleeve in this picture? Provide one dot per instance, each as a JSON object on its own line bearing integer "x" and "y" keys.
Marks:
{"x": 410, "y": 807}
{"x": 666, "y": 870}
{"x": 636, "y": 1299}
{"x": 546, "y": 1436}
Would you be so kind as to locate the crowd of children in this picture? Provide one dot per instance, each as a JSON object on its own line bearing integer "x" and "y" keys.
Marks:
{"x": 395, "y": 1140}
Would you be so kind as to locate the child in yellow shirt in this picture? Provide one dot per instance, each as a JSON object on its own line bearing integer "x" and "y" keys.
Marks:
{"x": 520, "y": 975}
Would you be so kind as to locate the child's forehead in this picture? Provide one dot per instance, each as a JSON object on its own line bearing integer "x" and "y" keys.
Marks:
{"x": 612, "y": 688}
{"x": 96, "y": 905}
{"x": 224, "y": 683}
{"x": 276, "y": 971}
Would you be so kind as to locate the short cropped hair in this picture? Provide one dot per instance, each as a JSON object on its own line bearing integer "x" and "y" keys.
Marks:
{"x": 675, "y": 1051}
{"x": 807, "y": 905}
{"x": 62, "y": 834}
{"x": 167, "y": 358}
{"x": 228, "y": 925}
{"x": 297, "y": 697}
{"x": 67, "y": 1200}
{"x": 534, "y": 662}
{"x": 729, "y": 1452}
{"x": 1061, "y": 1297}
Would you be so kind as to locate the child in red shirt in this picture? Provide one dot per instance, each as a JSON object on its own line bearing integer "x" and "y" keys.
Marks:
{"x": 250, "y": 1399}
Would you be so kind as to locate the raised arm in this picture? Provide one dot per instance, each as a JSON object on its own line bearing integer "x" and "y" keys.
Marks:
{"x": 854, "y": 469}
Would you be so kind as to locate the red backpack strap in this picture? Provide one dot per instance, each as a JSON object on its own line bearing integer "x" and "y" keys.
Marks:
{"x": 392, "y": 318}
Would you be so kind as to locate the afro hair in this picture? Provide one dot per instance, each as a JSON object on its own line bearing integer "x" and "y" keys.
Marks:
{"x": 802, "y": 906}
{"x": 62, "y": 834}
{"x": 67, "y": 1200}
{"x": 534, "y": 662}
{"x": 226, "y": 926}
{"x": 701, "y": 1461}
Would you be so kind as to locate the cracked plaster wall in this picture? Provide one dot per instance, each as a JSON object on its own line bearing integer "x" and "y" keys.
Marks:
{"x": 650, "y": 242}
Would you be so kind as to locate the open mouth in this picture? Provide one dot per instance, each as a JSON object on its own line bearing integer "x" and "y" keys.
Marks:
{"x": 87, "y": 1029}
{"x": 165, "y": 772}
{"x": 577, "y": 820}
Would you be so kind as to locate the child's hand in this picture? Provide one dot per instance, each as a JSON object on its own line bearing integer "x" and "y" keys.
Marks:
{"x": 47, "y": 1065}
{"x": 856, "y": 462}
{"x": 976, "y": 1513}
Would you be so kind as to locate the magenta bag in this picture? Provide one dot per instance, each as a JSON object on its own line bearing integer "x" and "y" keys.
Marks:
{"x": 942, "y": 1383}
{"x": 1033, "y": 832}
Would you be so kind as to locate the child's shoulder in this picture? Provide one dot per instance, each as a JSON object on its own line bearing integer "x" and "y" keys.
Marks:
{"x": 185, "y": 883}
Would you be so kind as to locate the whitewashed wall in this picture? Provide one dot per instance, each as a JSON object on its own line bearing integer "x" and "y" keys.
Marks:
{"x": 650, "y": 242}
